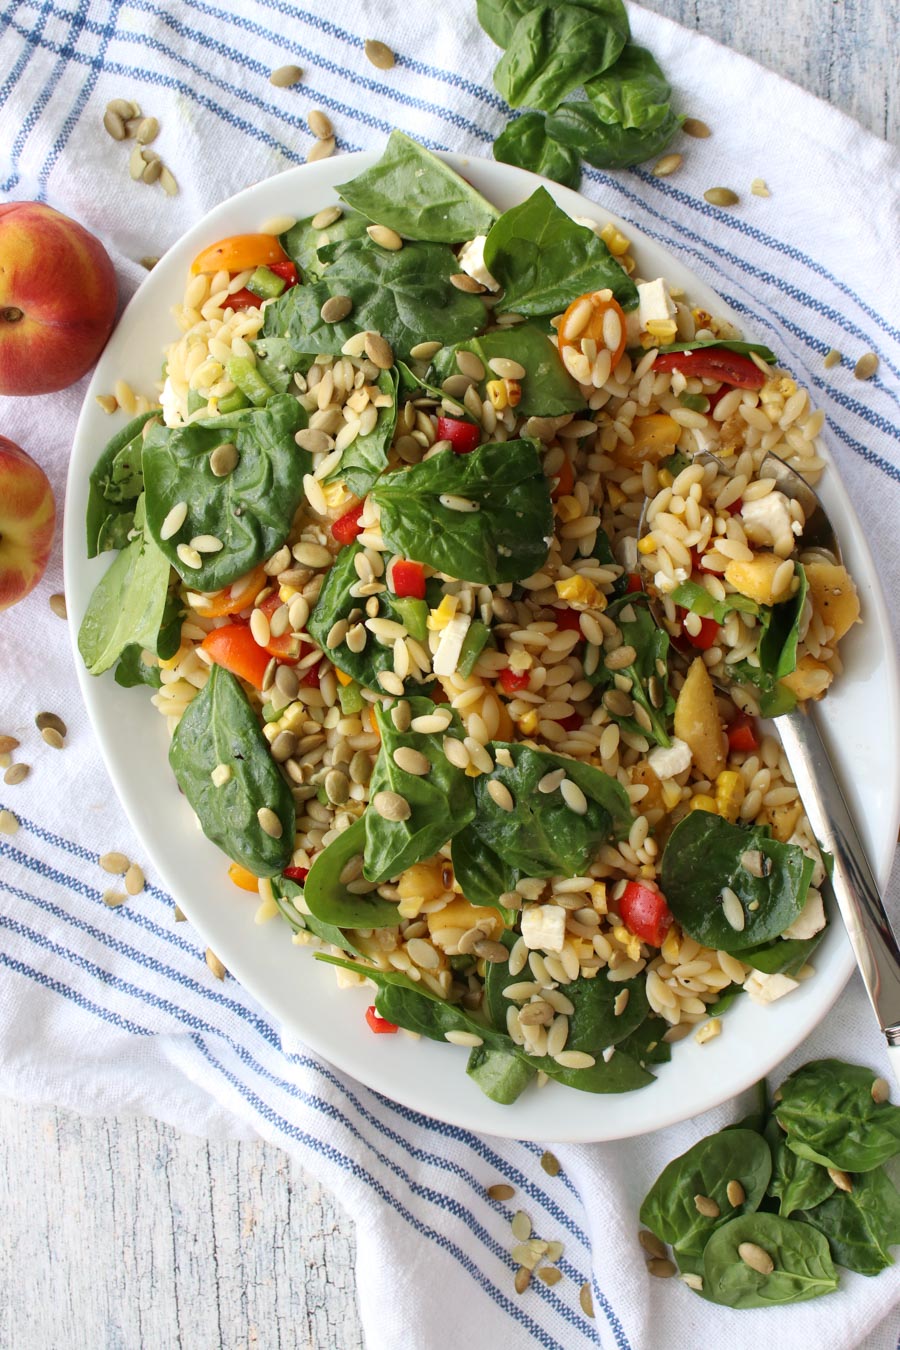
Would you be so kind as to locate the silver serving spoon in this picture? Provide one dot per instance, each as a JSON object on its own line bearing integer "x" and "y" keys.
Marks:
{"x": 853, "y": 882}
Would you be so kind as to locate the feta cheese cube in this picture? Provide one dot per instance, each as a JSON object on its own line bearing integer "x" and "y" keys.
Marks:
{"x": 811, "y": 851}
{"x": 668, "y": 761}
{"x": 446, "y": 658}
{"x": 764, "y": 988}
{"x": 810, "y": 920}
{"x": 471, "y": 261}
{"x": 544, "y": 927}
{"x": 655, "y": 303}
{"x": 768, "y": 521}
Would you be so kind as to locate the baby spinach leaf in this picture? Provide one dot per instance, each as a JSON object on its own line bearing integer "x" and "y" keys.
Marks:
{"x": 415, "y": 193}
{"x": 116, "y": 482}
{"x": 286, "y": 894}
{"x": 442, "y": 801}
{"x": 606, "y": 145}
{"x": 646, "y": 1044}
{"x": 501, "y": 1074}
{"x": 703, "y": 856}
{"x": 782, "y": 955}
{"x": 250, "y": 510}
{"x": 827, "y": 1109}
{"x": 132, "y": 670}
{"x": 542, "y": 835}
{"x": 505, "y": 539}
{"x": 706, "y": 1168}
{"x": 482, "y": 876}
{"x": 543, "y": 260}
{"x": 699, "y": 343}
{"x": 803, "y": 1265}
{"x": 696, "y": 598}
{"x": 498, "y": 18}
{"x": 548, "y": 389}
{"x": 366, "y": 457}
{"x": 553, "y": 49}
{"x": 220, "y": 727}
{"x": 621, "y": 1073}
{"x": 593, "y": 1026}
{"x": 302, "y": 241}
{"x": 862, "y": 1224}
{"x": 777, "y": 648}
{"x": 633, "y": 93}
{"x": 403, "y": 295}
{"x": 128, "y": 603}
{"x": 796, "y": 1183}
{"x": 327, "y": 896}
{"x": 335, "y": 602}
{"x": 648, "y": 672}
{"x": 525, "y": 142}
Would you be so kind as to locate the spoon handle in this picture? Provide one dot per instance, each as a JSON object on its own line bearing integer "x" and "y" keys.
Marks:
{"x": 855, "y": 887}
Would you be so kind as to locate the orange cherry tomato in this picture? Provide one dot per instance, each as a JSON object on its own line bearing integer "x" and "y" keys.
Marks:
{"x": 573, "y": 330}
{"x": 286, "y": 647}
{"x": 565, "y": 480}
{"x": 239, "y": 252}
{"x": 237, "y": 596}
{"x": 234, "y": 648}
{"x": 241, "y": 877}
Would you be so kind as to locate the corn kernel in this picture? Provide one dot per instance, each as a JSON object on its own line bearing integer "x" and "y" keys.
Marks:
{"x": 665, "y": 478}
{"x": 172, "y": 661}
{"x": 702, "y": 317}
{"x": 703, "y": 802}
{"x": 664, "y": 329}
{"x": 671, "y": 946}
{"x": 615, "y": 496}
{"x": 287, "y": 593}
{"x": 614, "y": 240}
{"x": 579, "y": 590}
{"x": 627, "y": 263}
{"x": 528, "y": 723}
{"x": 513, "y": 392}
{"x": 440, "y": 617}
{"x": 647, "y": 544}
{"x": 598, "y": 896}
{"x": 293, "y": 717}
{"x": 270, "y": 731}
{"x": 729, "y": 794}
{"x": 628, "y": 940}
{"x": 568, "y": 508}
{"x": 496, "y": 392}
{"x": 671, "y": 794}
{"x": 708, "y": 1031}
{"x": 336, "y": 495}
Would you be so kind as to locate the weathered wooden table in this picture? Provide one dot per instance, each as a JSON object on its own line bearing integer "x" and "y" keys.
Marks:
{"x": 157, "y": 1240}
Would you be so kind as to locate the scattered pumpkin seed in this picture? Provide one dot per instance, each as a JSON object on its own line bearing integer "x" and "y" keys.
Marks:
{"x": 167, "y": 182}
{"x": 319, "y": 124}
{"x": 114, "y": 125}
{"x": 269, "y": 822}
{"x": 692, "y": 126}
{"x": 586, "y": 1299}
{"x": 335, "y": 308}
{"x": 122, "y": 107}
{"x": 379, "y": 351}
{"x": 147, "y": 131}
{"x": 327, "y": 216}
{"x": 223, "y": 459}
{"x": 705, "y": 1205}
{"x": 153, "y": 170}
{"x": 178, "y": 914}
{"x": 424, "y": 351}
{"x": 736, "y": 1193}
{"x": 8, "y": 744}
{"x": 134, "y": 880}
{"x": 756, "y": 1257}
{"x": 652, "y": 1244}
{"x": 866, "y": 366}
{"x": 379, "y": 54}
{"x": 113, "y": 899}
{"x": 215, "y": 964}
{"x": 52, "y": 737}
{"x": 522, "y": 1280}
{"x": 136, "y": 163}
{"x": 661, "y": 1267}
{"x": 550, "y": 1164}
{"x": 58, "y": 605}
{"x": 320, "y": 150}
{"x": 501, "y": 1191}
{"x": 131, "y": 127}
{"x": 8, "y": 822}
{"x": 521, "y": 1226}
{"x": 463, "y": 282}
{"x": 554, "y": 1250}
{"x": 668, "y": 164}
{"x": 108, "y": 402}
{"x": 840, "y": 1179}
{"x": 49, "y": 719}
{"x": 117, "y": 864}
{"x": 284, "y": 76}
{"x": 16, "y": 773}
{"x": 549, "y": 1274}
{"x": 385, "y": 237}
{"x": 693, "y": 1281}
{"x": 832, "y": 358}
{"x": 721, "y": 196}
{"x": 337, "y": 786}
{"x": 760, "y": 188}
{"x": 391, "y": 806}
{"x": 880, "y": 1090}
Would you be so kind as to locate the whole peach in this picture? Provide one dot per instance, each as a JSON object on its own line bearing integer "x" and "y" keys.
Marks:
{"x": 57, "y": 299}
{"x": 27, "y": 518}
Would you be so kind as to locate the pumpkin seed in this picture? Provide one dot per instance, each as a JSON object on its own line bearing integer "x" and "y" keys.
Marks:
{"x": 179, "y": 915}
{"x": 8, "y": 822}
{"x": 832, "y": 358}
{"x": 522, "y": 1280}
{"x": 840, "y": 1179}
{"x": 705, "y": 1205}
{"x": 463, "y": 282}
{"x": 147, "y": 131}
{"x": 269, "y": 822}
{"x": 652, "y": 1244}
{"x": 586, "y": 1299}
{"x": 320, "y": 150}
{"x": 134, "y": 880}
{"x": 131, "y": 127}
{"x": 756, "y": 1257}
{"x": 549, "y": 1274}
{"x": 424, "y": 351}
{"x": 493, "y": 952}
{"x": 661, "y": 1267}
{"x": 668, "y": 164}
{"x": 501, "y": 1191}
{"x": 379, "y": 54}
{"x": 223, "y": 459}
{"x": 337, "y": 786}
{"x": 115, "y": 863}
{"x": 16, "y": 773}
{"x": 114, "y": 125}
{"x": 319, "y": 124}
{"x": 215, "y": 964}
{"x": 335, "y": 308}
{"x": 327, "y": 216}
{"x": 57, "y": 603}
{"x": 136, "y": 163}
{"x": 122, "y": 107}
{"x": 284, "y": 76}
{"x": 692, "y": 126}
{"x": 760, "y": 188}
{"x": 52, "y": 738}
{"x": 880, "y": 1090}
{"x": 153, "y": 171}
{"x": 8, "y": 744}
{"x": 113, "y": 899}
{"x": 550, "y": 1164}
{"x": 167, "y": 182}
{"x": 379, "y": 351}
{"x": 866, "y": 366}
{"x": 521, "y": 1226}
{"x": 391, "y": 806}
{"x": 721, "y": 196}
{"x": 313, "y": 440}
{"x": 736, "y": 1193}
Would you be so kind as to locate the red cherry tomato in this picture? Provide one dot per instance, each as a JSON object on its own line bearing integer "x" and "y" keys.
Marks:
{"x": 347, "y": 527}
{"x": 742, "y": 734}
{"x": 463, "y": 436}
{"x": 243, "y": 299}
{"x": 408, "y": 579}
{"x": 714, "y": 363}
{"x": 287, "y": 271}
{"x": 298, "y": 874}
{"x": 645, "y": 913}
{"x": 286, "y": 647}
{"x": 379, "y": 1025}
{"x": 570, "y": 723}
{"x": 513, "y": 680}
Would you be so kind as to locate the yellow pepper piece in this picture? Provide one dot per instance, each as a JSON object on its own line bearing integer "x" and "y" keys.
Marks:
{"x": 729, "y": 794}
{"x": 343, "y": 677}
{"x": 703, "y": 802}
{"x": 440, "y": 617}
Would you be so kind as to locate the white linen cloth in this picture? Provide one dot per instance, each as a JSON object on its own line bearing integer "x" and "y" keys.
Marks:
{"x": 115, "y": 1011}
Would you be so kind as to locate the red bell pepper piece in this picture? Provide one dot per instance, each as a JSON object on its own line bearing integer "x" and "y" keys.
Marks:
{"x": 243, "y": 299}
{"x": 714, "y": 363}
{"x": 312, "y": 677}
{"x": 408, "y": 579}
{"x": 463, "y": 436}
{"x": 567, "y": 620}
{"x": 513, "y": 680}
{"x": 298, "y": 874}
{"x": 570, "y": 723}
{"x": 347, "y": 527}
{"x": 287, "y": 271}
{"x": 379, "y": 1025}
{"x": 234, "y": 647}
{"x": 706, "y": 638}
{"x": 742, "y": 734}
{"x": 645, "y": 913}
{"x": 633, "y": 583}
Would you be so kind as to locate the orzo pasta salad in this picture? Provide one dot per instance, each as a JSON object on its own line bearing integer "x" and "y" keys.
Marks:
{"x": 387, "y": 548}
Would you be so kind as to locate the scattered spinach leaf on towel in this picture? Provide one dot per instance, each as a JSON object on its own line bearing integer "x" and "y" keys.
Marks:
{"x": 527, "y": 143}
{"x": 555, "y": 48}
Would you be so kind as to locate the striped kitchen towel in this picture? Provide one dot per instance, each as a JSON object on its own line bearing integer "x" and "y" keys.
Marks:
{"x": 114, "y": 1010}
